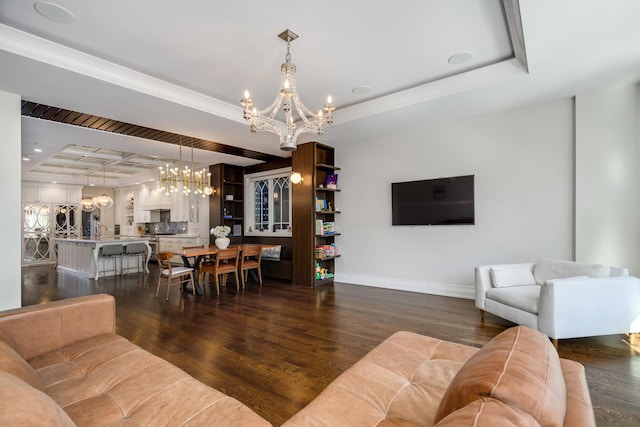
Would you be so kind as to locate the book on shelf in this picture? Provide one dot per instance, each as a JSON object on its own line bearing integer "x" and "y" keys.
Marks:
{"x": 331, "y": 181}
{"x": 319, "y": 227}
{"x": 329, "y": 227}
{"x": 326, "y": 251}
{"x": 321, "y": 204}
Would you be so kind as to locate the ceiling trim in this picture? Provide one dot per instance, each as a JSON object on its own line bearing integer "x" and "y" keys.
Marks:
{"x": 74, "y": 118}
{"x": 36, "y": 48}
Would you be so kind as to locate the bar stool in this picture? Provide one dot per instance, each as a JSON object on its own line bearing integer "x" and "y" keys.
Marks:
{"x": 113, "y": 252}
{"x": 139, "y": 251}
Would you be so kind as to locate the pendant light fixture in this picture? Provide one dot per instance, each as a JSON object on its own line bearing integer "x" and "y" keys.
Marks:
{"x": 88, "y": 204}
{"x": 196, "y": 182}
{"x": 104, "y": 201}
{"x": 264, "y": 120}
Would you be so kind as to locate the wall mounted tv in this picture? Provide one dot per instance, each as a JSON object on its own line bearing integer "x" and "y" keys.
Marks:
{"x": 441, "y": 201}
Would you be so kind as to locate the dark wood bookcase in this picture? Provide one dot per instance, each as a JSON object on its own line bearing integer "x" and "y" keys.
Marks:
{"x": 226, "y": 206}
{"x": 314, "y": 161}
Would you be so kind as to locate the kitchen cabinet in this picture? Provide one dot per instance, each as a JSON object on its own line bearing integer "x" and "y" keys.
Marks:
{"x": 180, "y": 206}
{"x": 42, "y": 193}
{"x": 140, "y": 197}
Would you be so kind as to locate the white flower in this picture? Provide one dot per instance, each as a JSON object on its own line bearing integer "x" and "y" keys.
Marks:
{"x": 220, "y": 230}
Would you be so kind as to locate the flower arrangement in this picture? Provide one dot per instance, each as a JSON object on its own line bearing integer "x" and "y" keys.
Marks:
{"x": 220, "y": 230}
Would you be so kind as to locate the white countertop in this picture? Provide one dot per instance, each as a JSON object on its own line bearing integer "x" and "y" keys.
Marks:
{"x": 103, "y": 239}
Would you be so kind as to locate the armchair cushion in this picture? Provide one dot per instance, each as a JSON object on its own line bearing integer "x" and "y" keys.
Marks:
{"x": 526, "y": 298}
{"x": 521, "y": 368}
{"x": 548, "y": 269}
{"x": 511, "y": 276}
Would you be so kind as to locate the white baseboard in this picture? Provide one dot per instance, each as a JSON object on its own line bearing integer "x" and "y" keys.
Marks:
{"x": 425, "y": 287}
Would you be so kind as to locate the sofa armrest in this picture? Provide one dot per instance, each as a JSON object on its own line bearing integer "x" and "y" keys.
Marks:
{"x": 483, "y": 279}
{"x": 42, "y": 328}
{"x": 582, "y": 307}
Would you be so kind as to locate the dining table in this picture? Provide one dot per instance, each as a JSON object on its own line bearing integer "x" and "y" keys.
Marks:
{"x": 193, "y": 256}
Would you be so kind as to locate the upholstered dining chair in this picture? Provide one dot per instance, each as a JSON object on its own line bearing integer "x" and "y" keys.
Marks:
{"x": 226, "y": 262}
{"x": 250, "y": 260}
{"x": 168, "y": 271}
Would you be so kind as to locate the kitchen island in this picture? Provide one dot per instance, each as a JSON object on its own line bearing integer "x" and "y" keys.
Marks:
{"x": 81, "y": 255}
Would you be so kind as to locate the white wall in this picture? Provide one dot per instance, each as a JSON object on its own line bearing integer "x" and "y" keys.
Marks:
{"x": 523, "y": 165}
{"x": 10, "y": 216}
{"x": 608, "y": 175}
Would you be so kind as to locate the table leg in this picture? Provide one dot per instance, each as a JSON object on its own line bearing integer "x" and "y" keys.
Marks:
{"x": 196, "y": 264}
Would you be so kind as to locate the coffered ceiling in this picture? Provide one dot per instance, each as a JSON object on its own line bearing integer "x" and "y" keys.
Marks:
{"x": 181, "y": 67}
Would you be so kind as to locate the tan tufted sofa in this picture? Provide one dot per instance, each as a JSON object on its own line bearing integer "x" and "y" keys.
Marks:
{"x": 517, "y": 379}
{"x": 58, "y": 369}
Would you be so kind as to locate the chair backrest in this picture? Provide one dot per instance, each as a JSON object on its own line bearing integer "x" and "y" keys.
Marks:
{"x": 136, "y": 248}
{"x": 251, "y": 256}
{"x": 110, "y": 250}
{"x": 251, "y": 251}
{"x": 164, "y": 261}
{"x": 229, "y": 254}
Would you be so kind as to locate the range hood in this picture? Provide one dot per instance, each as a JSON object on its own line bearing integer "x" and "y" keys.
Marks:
{"x": 157, "y": 200}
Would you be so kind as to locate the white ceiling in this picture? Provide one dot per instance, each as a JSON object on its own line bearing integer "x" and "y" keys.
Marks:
{"x": 182, "y": 66}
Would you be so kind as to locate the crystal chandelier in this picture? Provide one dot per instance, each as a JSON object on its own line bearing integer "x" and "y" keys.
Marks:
{"x": 264, "y": 120}
{"x": 196, "y": 182}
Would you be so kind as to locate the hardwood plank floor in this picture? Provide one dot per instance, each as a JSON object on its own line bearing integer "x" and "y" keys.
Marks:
{"x": 276, "y": 347}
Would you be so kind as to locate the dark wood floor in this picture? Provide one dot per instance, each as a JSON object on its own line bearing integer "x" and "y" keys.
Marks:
{"x": 275, "y": 348}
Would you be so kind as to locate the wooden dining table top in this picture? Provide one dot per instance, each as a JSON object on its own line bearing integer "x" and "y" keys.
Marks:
{"x": 213, "y": 249}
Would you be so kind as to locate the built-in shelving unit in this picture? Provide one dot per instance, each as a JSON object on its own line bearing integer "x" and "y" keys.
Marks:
{"x": 314, "y": 211}
{"x": 226, "y": 206}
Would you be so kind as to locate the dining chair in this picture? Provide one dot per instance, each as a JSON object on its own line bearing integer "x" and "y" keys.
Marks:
{"x": 226, "y": 262}
{"x": 168, "y": 271}
{"x": 250, "y": 260}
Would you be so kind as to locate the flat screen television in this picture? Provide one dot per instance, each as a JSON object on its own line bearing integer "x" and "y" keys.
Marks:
{"x": 441, "y": 201}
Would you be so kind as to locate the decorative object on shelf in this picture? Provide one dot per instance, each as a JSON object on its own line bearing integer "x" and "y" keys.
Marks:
{"x": 296, "y": 178}
{"x": 221, "y": 232}
{"x": 196, "y": 182}
{"x": 264, "y": 120}
{"x": 331, "y": 182}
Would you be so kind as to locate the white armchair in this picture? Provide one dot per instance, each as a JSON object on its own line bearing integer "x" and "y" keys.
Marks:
{"x": 562, "y": 299}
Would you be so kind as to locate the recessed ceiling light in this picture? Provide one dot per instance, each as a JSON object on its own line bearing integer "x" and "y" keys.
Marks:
{"x": 38, "y": 150}
{"x": 361, "y": 90}
{"x": 460, "y": 58}
{"x": 26, "y": 159}
{"x": 54, "y": 12}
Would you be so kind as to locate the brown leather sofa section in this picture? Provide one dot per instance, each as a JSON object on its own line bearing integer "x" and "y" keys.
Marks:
{"x": 521, "y": 368}
{"x": 405, "y": 379}
{"x": 92, "y": 377}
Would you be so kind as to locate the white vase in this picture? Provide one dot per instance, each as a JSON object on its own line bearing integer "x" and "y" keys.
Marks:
{"x": 222, "y": 242}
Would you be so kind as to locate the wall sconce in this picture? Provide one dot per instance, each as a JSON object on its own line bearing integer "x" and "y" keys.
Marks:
{"x": 296, "y": 178}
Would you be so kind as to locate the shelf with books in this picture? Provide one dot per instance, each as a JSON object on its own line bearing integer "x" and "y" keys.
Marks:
{"x": 317, "y": 212}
